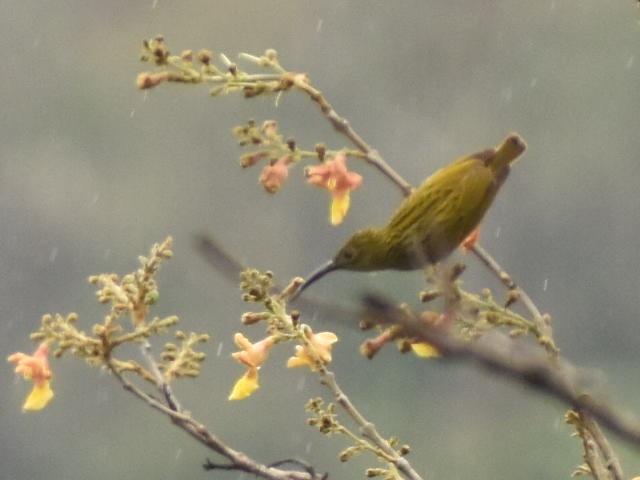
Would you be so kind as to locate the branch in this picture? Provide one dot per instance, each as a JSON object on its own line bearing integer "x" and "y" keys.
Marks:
{"x": 230, "y": 78}
{"x": 237, "y": 460}
{"x": 549, "y": 376}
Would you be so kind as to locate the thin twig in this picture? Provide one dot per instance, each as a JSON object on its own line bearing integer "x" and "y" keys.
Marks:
{"x": 598, "y": 454}
{"x": 342, "y": 125}
{"x": 161, "y": 383}
{"x": 367, "y": 428}
{"x": 542, "y": 321}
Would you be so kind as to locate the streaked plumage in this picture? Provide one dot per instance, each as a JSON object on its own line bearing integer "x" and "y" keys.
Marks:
{"x": 432, "y": 221}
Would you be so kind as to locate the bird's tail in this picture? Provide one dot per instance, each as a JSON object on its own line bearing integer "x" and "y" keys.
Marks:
{"x": 510, "y": 149}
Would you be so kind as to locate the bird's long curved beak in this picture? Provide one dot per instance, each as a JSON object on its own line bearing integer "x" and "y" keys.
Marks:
{"x": 330, "y": 266}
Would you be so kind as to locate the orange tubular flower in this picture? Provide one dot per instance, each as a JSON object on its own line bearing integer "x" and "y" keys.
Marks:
{"x": 252, "y": 355}
{"x": 319, "y": 351}
{"x": 471, "y": 240}
{"x": 35, "y": 367}
{"x": 334, "y": 177}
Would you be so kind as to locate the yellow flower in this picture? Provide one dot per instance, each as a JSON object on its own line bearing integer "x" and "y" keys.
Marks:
{"x": 317, "y": 351}
{"x": 334, "y": 177}
{"x": 425, "y": 350}
{"x": 35, "y": 367}
{"x": 246, "y": 385}
{"x": 252, "y": 355}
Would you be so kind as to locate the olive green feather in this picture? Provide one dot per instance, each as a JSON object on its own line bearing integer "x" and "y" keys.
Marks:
{"x": 431, "y": 222}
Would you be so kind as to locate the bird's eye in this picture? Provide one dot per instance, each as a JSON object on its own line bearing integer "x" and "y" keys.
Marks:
{"x": 348, "y": 254}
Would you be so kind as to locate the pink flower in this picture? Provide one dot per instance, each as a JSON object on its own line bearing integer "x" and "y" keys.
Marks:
{"x": 35, "y": 367}
{"x": 334, "y": 177}
{"x": 273, "y": 176}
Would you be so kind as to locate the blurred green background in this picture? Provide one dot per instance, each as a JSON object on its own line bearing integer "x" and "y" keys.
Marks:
{"x": 93, "y": 171}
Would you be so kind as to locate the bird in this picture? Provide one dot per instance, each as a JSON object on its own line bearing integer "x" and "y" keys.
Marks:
{"x": 433, "y": 219}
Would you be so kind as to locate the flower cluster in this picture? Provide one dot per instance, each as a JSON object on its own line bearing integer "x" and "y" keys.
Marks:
{"x": 313, "y": 351}
{"x": 129, "y": 296}
{"x": 280, "y": 155}
{"x": 272, "y": 148}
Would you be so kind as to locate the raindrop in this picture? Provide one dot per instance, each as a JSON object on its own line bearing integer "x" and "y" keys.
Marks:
{"x": 319, "y": 26}
{"x": 178, "y": 453}
{"x": 498, "y": 232}
{"x": 133, "y": 112}
{"x": 507, "y": 94}
{"x": 219, "y": 350}
{"x": 53, "y": 254}
{"x": 630, "y": 61}
{"x": 533, "y": 82}
{"x": 307, "y": 448}
{"x": 154, "y": 4}
{"x": 544, "y": 285}
{"x": 301, "y": 383}
{"x": 104, "y": 450}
